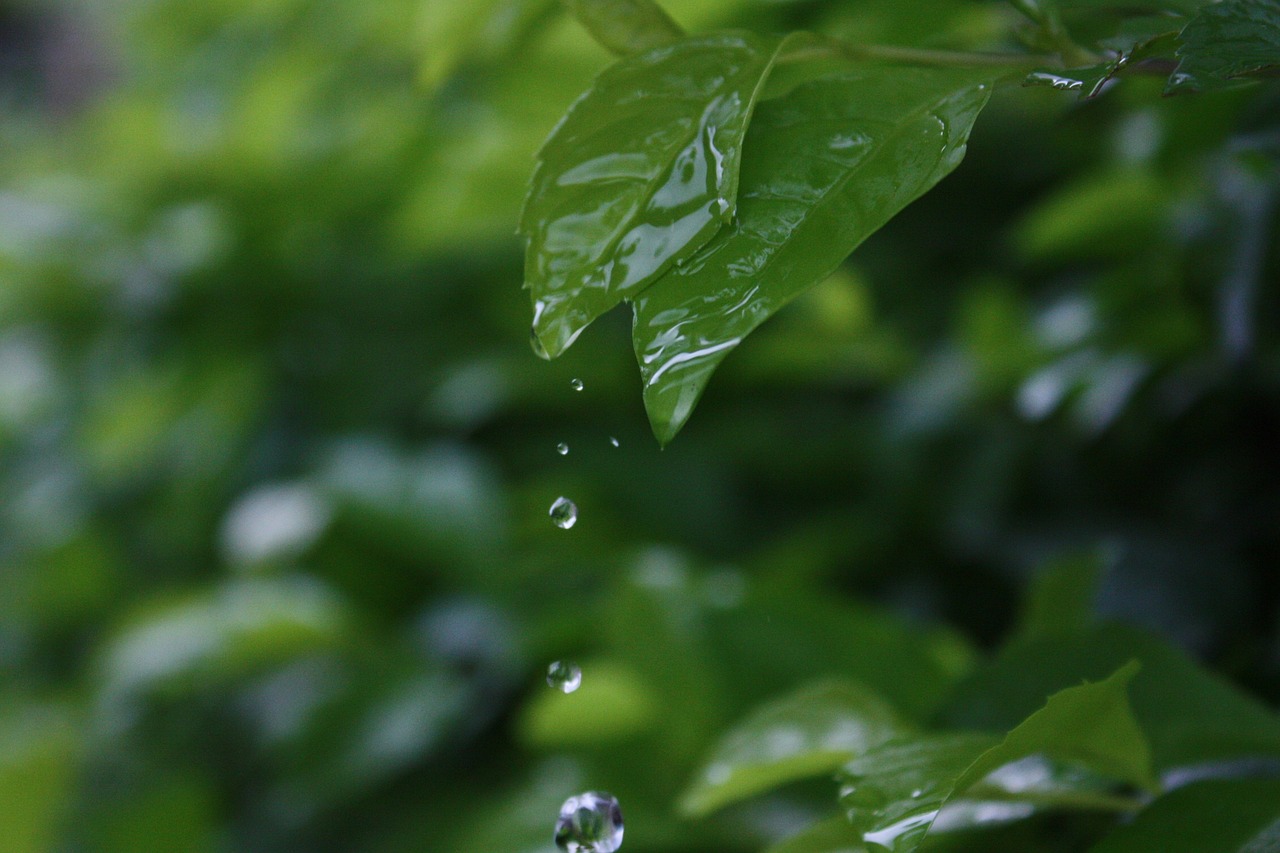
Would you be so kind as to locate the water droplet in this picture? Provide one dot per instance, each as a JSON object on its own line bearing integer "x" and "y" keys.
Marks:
{"x": 564, "y": 513}
{"x": 915, "y": 795}
{"x": 589, "y": 823}
{"x": 576, "y": 384}
{"x": 535, "y": 343}
{"x": 564, "y": 676}
{"x": 562, "y": 449}
{"x": 613, "y": 441}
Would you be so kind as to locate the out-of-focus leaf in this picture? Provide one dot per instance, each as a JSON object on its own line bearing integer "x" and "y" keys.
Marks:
{"x": 1096, "y": 217}
{"x": 626, "y": 26}
{"x": 37, "y": 757}
{"x": 893, "y": 794}
{"x": 639, "y": 174}
{"x": 456, "y": 30}
{"x": 612, "y": 703}
{"x": 808, "y": 733}
{"x": 1188, "y": 715}
{"x": 1060, "y": 598}
{"x": 240, "y": 627}
{"x": 1218, "y": 816}
{"x": 1226, "y": 42}
{"x": 827, "y": 165}
{"x": 830, "y": 836}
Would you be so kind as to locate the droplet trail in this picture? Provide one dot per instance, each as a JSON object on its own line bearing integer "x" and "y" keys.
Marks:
{"x": 564, "y": 676}
{"x": 589, "y": 823}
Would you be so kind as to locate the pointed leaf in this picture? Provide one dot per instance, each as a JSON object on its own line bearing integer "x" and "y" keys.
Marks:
{"x": 639, "y": 174}
{"x": 1227, "y": 41}
{"x": 1189, "y": 715}
{"x": 825, "y": 166}
{"x": 625, "y": 26}
{"x": 1220, "y": 816}
{"x": 893, "y": 794}
{"x": 808, "y": 733}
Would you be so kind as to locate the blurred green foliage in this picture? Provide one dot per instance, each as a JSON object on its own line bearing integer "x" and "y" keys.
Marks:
{"x": 275, "y": 567}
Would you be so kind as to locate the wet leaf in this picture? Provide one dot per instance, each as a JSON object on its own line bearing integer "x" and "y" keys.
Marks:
{"x": 639, "y": 174}
{"x": 825, "y": 166}
{"x": 1228, "y": 41}
{"x": 807, "y": 733}
{"x": 1220, "y": 816}
{"x": 894, "y": 793}
{"x": 626, "y": 26}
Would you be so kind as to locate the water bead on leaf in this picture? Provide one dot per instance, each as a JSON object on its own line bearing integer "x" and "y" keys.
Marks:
{"x": 564, "y": 676}
{"x": 589, "y": 823}
{"x": 564, "y": 513}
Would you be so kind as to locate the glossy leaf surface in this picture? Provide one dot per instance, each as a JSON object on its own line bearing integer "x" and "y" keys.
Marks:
{"x": 825, "y": 166}
{"x": 1220, "y": 816}
{"x": 639, "y": 174}
{"x": 894, "y": 794}
{"x": 1189, "y": 715}
{"x": 1227, "y": 41}
{"x": 626, "y": 26}
{"x": 808, "y": 733}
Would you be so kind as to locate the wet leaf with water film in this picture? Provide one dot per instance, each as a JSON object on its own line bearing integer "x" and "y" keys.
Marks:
{"x": 894, "y": 793}
{"x": 639, "y": 174}
{"x": 825, "y": 166}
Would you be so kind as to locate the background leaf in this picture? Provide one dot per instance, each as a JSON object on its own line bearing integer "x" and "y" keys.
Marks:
{"x": 826, "y": 165}
{"x": 807, "y": 733}
{"x": 1219, "y": 816}
{"x": 626, "y": 26}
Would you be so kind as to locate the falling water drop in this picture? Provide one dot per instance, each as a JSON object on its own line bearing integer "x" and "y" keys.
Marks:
{"x": 613, "y": 441}
{"x": 564, "y": 513}
{"x": 589, "y": 823}
{"x": 562, "y": 449}
{"x": 535, "y": 343}
{"x": 564, "y": 676}
{"x": 576, "y": 384}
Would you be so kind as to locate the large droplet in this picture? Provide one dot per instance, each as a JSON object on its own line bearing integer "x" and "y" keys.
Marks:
{"x": 562, "y": 448}
{"x": 564, "y": 513}
{"x": 564, "y": 676}
{"x": 535, "y": 343}
{"x": 576, "y": 384}
{"x": 589, "y": 823}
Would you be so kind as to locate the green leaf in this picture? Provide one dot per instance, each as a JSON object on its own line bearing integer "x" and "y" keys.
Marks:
{"x": 612, "y": 703}
{"x": 893, "y": 794}
{"x": 639, "y": 174}
{"x": 38, "y": 752}
{"x": 626, "y": 26}
{"x": 1189, "y": 715}
{"x": 1228, "y": 41}
{"x": 1218, "y": 816}
{"x": 829, "y": 836}
{"x": 808, "y": 733}
{"x": 1060, "y": 598}
{"x": 826, "y": 166}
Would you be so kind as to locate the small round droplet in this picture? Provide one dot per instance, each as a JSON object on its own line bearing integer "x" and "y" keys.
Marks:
{"x": 564, "y": 676}
{"x": 589, "y": 823}
{"x": 535, "y": 343}
{"x": 576, "y": 384}
{"x": 564, "y": 513}
{"x": 562, "y": 449}
{"x": 613, "y": 441}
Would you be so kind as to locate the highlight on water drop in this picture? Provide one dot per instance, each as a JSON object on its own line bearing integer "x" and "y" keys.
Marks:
{"x": 589, "y": 823}
{"x": 564, "y": 513}
{"x": 564, "y": 676}
{"x": 576, "y": 384}
{"x": 613, "y": 441}
{"x": 562, "y": 448}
